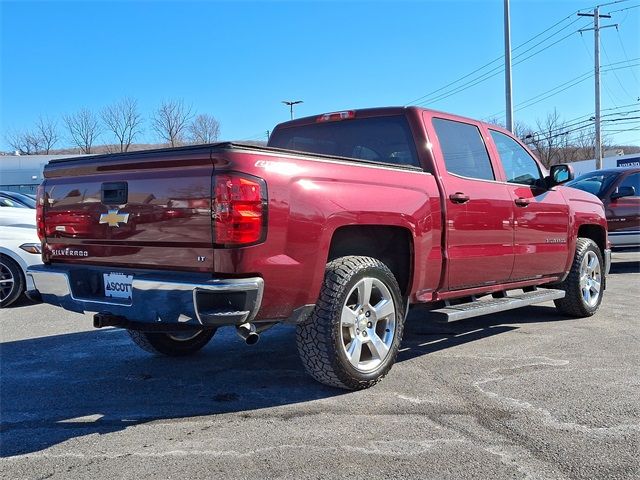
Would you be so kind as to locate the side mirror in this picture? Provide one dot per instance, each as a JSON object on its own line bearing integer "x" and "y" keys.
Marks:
{"x": 559, "y": 174}
{"x": 623, "y": 192}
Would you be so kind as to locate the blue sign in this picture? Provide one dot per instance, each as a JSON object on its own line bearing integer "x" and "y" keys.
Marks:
{"x": 629, "y": 162}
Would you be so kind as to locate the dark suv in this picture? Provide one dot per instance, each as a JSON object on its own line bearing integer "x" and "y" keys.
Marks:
{"x": 619, "y": 190}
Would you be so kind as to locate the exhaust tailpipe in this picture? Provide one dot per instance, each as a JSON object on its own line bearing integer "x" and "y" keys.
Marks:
{"x": 247, "y": 331}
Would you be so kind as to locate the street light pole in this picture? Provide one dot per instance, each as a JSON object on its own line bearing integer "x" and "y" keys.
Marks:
{"x": 507, "y": 66}
{"x": 291, "y": 103}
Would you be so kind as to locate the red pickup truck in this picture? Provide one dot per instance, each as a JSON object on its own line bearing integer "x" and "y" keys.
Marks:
{"x": 339, "y": 225}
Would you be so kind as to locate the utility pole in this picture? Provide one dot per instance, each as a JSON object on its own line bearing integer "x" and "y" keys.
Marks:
{"x": 507, "y": 66}
{"x": 291, "y": 103}
{"x": 596, "y": 57}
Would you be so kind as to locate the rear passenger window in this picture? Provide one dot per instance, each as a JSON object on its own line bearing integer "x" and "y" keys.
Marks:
{"x": 518, "y": 165}
{"x": 463, "y": 148}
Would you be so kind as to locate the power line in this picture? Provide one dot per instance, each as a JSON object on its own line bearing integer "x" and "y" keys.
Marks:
{"x": 623, "y": 9}
{"x": 574, "y": 81}
{"x": 591, "y": 119}
{"x": 620, "y": 131}
{"x": 604, "y": 4}
{"x": 606, "y": 87}
{"x": 500, "y": 57}
{"x": 606, "y": 54}
{"x": 623, "y": 120}
{"x": 490, "y": 74}
{"x": 631, "y": 141}
{"x": 624, "y": 51}
{"x": 427, "y": 98}
{"x": 608, "y": 110}
{"x": 590, "y": 122}
{"x": 567, "y": 129}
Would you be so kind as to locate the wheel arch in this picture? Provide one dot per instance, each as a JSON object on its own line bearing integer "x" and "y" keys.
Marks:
{"x": 392, "y": 245}
{"x": 597, "y": 233}
{"x": 16, "y": 258}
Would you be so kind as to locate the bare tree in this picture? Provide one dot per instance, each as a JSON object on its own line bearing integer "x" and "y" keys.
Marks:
{"x": 123, "y": 119}
{"x": 549, "y": 139}
{"x": 556, "y": 142}
{"x": 84, "y": 128}
{"x": 585, "y": 144}
{"x": 37, "y": 141}
{"x": 24, "y": 142}
{"x": 47, "y": 131}
{"x": 171, "y": 121}
{"x": 204, "y": 129}
{"x": 520, "y": 129}
{"x": 495, "y": 121}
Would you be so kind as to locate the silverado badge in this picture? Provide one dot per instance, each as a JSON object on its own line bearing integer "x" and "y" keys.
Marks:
{"x": 114, "y": 218}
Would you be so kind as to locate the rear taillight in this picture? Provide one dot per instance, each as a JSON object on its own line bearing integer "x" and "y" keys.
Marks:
{"x": 239, "y": 210}
{"x": 40, "y": 212}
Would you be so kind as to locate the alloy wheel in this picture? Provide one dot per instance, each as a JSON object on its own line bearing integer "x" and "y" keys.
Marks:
{"x": 368, "y": 324}
{"x": 6, "y": 282}
{"x": 590, "y": 279}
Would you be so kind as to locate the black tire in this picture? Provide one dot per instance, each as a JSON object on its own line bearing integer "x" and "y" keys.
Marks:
{"x": 320, "y": 338}
{"x": 574, "y": 303}
{"x": 170, "y": 344}
{"x": 12, "y": 281}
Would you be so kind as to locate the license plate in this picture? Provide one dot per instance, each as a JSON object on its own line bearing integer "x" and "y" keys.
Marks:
{"x": 117, "y": 285}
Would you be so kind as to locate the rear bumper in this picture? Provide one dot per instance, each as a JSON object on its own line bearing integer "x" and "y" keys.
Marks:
{"x": 157, "y": 298}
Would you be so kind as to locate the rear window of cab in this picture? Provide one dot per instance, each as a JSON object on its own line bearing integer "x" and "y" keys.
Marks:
{"x": 386, "y": 140}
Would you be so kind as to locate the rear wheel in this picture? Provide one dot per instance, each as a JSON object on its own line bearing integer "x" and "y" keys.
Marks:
{"x": 584, "y": 285}
{"x": 12, "y": 282}
{"x": 177, "y": 344}
{"x": 352, "y": 337}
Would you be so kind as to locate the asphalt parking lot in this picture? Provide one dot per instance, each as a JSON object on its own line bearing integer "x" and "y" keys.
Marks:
{"x": 523, "y": 394}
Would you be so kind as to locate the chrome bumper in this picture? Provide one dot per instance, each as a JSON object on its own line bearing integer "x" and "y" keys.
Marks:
{"x": 157, "y": 297}
{"x": 607, "y": 261}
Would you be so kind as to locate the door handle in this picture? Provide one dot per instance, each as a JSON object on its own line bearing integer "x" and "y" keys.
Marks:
{"x": 459, "y": 197}
{"x": 522, "y": 202}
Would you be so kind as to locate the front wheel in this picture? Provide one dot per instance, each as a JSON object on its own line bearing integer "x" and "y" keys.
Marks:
{"x": 584, "y": 285}
{"x": 352, "y": 337}
{"x": 172, "y": 344}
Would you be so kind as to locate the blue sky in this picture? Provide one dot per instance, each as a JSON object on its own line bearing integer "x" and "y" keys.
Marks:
{"x": 238, "y": 60}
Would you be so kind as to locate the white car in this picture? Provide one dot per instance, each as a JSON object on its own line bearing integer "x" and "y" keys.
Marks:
{"x": 17, "y": 217}
{"x": 19, "y": 249}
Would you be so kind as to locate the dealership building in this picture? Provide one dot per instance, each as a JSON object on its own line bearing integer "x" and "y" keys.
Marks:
{"x": 23, "y": 173}
{"x": 586, "y": 166}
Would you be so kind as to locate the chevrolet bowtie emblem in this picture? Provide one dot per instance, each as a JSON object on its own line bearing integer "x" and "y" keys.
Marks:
{"x": 113, "y": 218}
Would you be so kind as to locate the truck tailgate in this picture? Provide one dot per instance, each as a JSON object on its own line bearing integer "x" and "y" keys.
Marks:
{"x": 142, "y": 209}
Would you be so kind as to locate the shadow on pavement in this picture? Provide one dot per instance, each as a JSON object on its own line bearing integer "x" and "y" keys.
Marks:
{"x": 60, "y": 387}
{"x": 624, "y": 267}
{"x": 48, "y": 384}
{"x": 23, "y": 301}
{"x": 423, "y": 337}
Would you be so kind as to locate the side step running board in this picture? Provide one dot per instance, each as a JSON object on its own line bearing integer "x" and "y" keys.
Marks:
{"x": 453, "y": 313}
